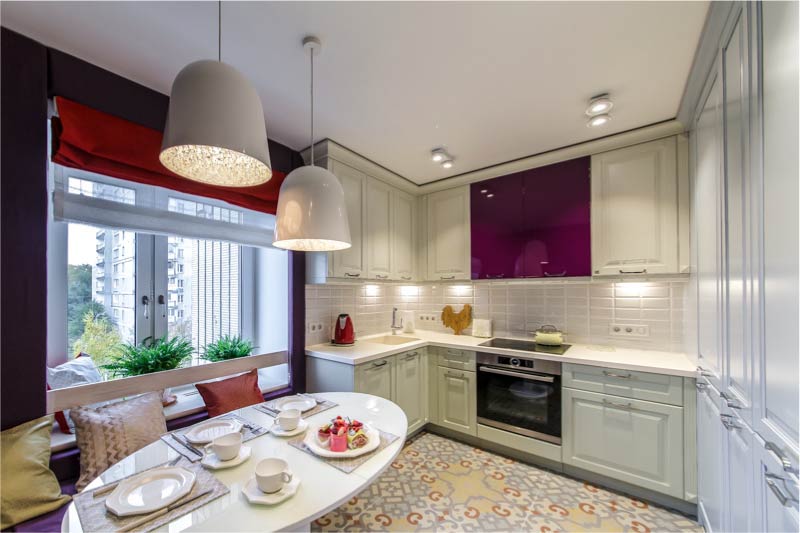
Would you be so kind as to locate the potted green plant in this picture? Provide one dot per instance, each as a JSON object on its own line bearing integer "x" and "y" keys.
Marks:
{"x": 151, "y": 356}
{"x": 228, "y": 347}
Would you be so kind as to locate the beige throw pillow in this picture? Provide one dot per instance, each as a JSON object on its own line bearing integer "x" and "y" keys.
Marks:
{"x": 108, "y": 434}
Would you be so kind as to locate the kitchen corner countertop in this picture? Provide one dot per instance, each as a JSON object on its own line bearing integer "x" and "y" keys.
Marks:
{"x": 367, "y": 349}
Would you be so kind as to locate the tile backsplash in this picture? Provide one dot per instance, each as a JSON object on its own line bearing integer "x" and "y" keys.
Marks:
{"x": 584, "y": 310}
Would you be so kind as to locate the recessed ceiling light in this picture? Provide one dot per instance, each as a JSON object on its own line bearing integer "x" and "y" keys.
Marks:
{"x": 599, "y": 105}
{"x": 484, "y": 191}
{"x": 438, "y": 155}
{"x": 448, "y": 163}
{"x": 490, "y": 195}
{"x": 599, "y": 120}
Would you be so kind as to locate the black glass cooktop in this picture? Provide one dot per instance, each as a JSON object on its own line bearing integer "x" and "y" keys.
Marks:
{"x": 528, "y": 346}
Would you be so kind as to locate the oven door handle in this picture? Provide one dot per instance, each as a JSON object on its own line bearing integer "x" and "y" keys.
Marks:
{"x": 533, "y": 377}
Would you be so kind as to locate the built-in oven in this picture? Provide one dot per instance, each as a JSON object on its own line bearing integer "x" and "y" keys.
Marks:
{"x": 520, "y": 395}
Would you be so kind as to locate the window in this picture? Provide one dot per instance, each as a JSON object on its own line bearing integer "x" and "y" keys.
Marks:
{"x": 143, "y": 262}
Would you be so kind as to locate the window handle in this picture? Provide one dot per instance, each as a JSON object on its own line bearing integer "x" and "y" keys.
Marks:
{"x": 163, "y": 305}
{"x": 146, "y": 304}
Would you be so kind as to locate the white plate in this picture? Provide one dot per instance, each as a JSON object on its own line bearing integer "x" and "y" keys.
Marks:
{"x": 150, "y": 491}
{"x": 278, "y": 432}
{"x": 210, "y": 430}
{"x": 302, "y": 403}
{"x": 313, "y": 444}
{"x": 254, "y": 494}
{"x": 212, "y": 462}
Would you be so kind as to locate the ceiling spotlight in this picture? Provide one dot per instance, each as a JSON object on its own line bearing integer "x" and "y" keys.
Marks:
{"x": 484, "y": 191}
{"x": 447, "y": 163}
{"x": 438, "y": 155}
{"x": 490, "y": 195}
{"x": 599, "y": 120}
{"x": 599, "y": 105}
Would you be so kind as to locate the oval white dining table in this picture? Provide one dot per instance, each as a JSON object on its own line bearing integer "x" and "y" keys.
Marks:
{"x": 322, "y": 487}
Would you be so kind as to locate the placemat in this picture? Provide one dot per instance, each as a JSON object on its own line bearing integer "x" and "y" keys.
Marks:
{"x": 349, "y": 464}
{"x": 322, "y": 405}
{"x": 251, "y": 431}
{"x": 94, "y": 516}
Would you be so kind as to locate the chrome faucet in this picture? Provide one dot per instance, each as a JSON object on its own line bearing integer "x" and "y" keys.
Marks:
{"x": 395, "y": 326}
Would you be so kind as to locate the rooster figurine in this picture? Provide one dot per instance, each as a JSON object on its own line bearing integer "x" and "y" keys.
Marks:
{"x": 458, "y": 322}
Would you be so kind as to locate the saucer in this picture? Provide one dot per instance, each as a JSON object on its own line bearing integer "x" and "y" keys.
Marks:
{"x": 212, "y": 462}
{"x": 254, "y": 494}
{"x": 278, "y": 432}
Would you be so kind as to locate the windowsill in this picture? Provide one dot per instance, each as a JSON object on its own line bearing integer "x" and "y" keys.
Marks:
{"x": 189, "y": 402}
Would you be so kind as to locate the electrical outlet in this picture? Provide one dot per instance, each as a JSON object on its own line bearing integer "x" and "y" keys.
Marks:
{"x": 428, "y": 317}
{"x": 628, "y": 330}
{"x": 313, "y": 327}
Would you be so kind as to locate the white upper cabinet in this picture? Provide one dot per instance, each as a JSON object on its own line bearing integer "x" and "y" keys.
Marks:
{"x": 404, "y": 231}
{"x": 349, "y": 263}
{"x": 379, "y": 229}
{"x": 635, "y": 226}
{"x": 448, "y": 234}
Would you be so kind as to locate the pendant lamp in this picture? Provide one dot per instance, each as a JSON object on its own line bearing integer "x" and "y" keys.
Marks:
{"x": 312, "y": 215}
{"x": 215, "y": 130}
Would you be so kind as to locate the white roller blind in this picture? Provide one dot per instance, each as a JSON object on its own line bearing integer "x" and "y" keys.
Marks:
{"x": 89, "y": 198}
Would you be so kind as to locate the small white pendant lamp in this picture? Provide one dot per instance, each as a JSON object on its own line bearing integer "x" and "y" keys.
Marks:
{"x": 215, "y": 130}
{"x": 312, "y": 215}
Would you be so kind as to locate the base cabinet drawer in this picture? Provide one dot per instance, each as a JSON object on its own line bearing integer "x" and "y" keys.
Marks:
{"x": 457, "y": 400}
{"x": 628, "y": 383}
{"x": 453, "y": 358}
{"x": 631, "y": 440}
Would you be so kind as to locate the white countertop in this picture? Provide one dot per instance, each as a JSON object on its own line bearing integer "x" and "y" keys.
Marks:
{"x": 658, "y": 362}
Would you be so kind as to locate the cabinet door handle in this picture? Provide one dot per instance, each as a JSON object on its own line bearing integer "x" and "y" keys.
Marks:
{"x": 620, "y": 376}
{"x": 495, "y": 276}
{"x": 642, "y": 271}
{"x": 771, "y": 480}
{"x": 381, "y": 277}
{"x": 733, "y": 403}
{"x": 379, "y": 364}
{"x": 412, "y": 355}
{"x": 448, "y": 277}
{"x": 700, "y": 386}
{"x": 407, "y": 278}
{"x": 454, "y": 375}
{"x": 785, "y": 462}
{"x": 705, "y": 373}
{"x": 350, "y": 275}
{"x": 730, "y": 422}
{"x": 609, "y": 403}
{"x": 556, "y": 274}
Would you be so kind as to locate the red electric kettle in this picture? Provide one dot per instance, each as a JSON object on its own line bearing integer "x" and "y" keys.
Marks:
{"x": 343, "y": 332}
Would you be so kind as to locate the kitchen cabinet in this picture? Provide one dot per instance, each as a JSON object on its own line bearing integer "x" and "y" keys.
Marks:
{"x": 626, "y": 383}
{"x": 532, "y": 224}
{"x": 448, "y": 234}
{"x": 457, "y": 396}
{"x": 741, "y": 476}
{"x": 410, "y": 387}
{"x": 710, "y": 459}
{"x": 635, "y": 441}
{"x": 376, "y": 377}
{"x": 379, "y": 228}
{"x": 349, "y": 263}
{"x": 635, "y": 223}
{"x": 403, "y": 236}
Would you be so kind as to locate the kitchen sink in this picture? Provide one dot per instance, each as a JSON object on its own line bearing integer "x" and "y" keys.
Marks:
{"x": 392, "y": 340}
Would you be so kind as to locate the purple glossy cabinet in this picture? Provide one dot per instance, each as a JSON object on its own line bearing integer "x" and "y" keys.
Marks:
{"x": 533, "y": 224}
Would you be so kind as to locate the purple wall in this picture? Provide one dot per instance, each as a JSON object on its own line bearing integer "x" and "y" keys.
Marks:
{"x": 533, "y": 224}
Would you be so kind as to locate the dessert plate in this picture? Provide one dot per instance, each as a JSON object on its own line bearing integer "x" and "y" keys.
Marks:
{"x": 212, "y": 462}
{"x": 254, "y": 494}
{"x": 301, "y": 403}
{"x": 150, "y": 491}
{"x": 210, "y": 430}
{"x": 313, "y": 444}
{"x": 278, "y": 432}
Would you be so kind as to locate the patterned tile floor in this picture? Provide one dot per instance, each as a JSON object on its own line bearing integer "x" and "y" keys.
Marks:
{"x": 438, "y": 484}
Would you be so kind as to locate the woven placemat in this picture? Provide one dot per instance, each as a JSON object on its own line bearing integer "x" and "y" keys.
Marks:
{"x": 322, "y": 405}
{"x": 251, "y": 431}
{"x": 348, "y": 464}
{"x": 94, "y": 516}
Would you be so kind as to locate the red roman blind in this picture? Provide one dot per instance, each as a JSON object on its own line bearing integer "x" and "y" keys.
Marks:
{"x": 91, "y": 140}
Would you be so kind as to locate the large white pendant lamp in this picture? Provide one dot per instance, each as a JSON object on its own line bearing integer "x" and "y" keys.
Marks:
{"x": 215, "y": 130}
{"x": 312, "y": 215}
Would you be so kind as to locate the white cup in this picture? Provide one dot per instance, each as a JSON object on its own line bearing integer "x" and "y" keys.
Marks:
{"x": 288, "y": 419}
{"x": 226, "y": 447}
{"x": 271, "y": 474}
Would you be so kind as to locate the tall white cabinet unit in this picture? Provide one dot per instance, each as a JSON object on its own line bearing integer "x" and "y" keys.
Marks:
{"x": 744, "y": 143}
{"x": 448, "y": 234}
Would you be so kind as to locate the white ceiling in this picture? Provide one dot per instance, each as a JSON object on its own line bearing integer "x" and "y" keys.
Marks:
{"x": 489, "y": 81}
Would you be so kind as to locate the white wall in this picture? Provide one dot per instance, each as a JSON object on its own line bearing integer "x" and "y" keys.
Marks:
{"x": 583, "y": 309}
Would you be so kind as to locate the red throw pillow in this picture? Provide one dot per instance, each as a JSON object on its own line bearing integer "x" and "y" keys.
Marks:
{"x": 232, "y": 393}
